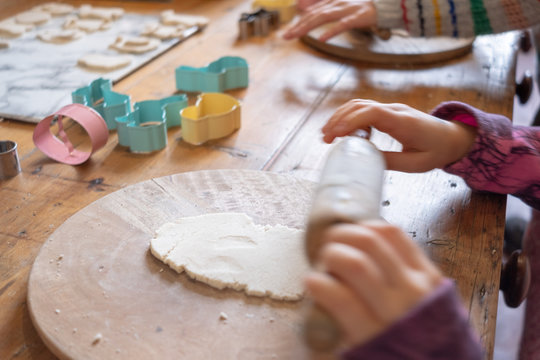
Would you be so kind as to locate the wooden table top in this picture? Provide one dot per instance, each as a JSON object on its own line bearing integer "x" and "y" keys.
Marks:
{"x": 293, "y": 90}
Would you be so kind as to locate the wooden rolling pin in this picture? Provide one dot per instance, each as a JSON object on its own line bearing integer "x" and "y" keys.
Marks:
{"x": 349, "y": 191}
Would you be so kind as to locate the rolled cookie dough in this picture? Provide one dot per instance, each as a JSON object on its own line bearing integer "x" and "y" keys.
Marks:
{"x": 228, "y": 250}
{"x": 104, "y": 13}
{"x": 55, "y": 8}
{"x": 59, "y": 36}
{"x": 33, "y": 17}
{"x": 101, "y": 62}
{"x": 135, "y": 45}
{"x": 10, "y": 28}
{"x": 169, "y": 17}
{"x": 88, "y": 25}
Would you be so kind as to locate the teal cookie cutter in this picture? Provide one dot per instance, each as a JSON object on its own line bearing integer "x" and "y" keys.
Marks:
{"x": 145, "y": 129}
{"x": 228, "y": 72}
{"x": 100, "y": 97}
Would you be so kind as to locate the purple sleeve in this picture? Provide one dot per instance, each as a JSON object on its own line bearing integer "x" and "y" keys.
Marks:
{"x": 436, "y": 329}
{"x": 504, "y": 159}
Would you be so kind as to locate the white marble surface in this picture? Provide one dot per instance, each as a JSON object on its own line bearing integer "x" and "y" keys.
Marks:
{"x": 37, "y": 78}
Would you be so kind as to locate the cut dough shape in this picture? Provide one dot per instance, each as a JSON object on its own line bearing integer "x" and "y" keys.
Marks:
{"x": 169, "y": 17}
{"x": 33, "y": 17}
{"x": 101, "y": 62}
{"x": 4, "y": 44}
{"x": 228, "y": 250}
{"x": 135, "y": 45}
{"x": 88, "y": 25}
{"x": 164, "y": 32}
{"x": 10, "y": 28}
{"x": 103, "y": 13}
{"x": 55, "y": 9}
{"x": 59, "y": 36}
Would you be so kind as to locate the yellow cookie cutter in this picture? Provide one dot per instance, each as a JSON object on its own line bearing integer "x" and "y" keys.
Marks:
{"x": 214, "y": 115}
{"x": 286, "y": 8}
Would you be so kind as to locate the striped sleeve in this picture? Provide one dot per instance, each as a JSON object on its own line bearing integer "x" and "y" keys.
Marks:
{"x": 457, "y": 18}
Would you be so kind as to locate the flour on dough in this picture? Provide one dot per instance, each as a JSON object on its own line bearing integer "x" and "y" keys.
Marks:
{"x": 228, "y": 250}
{"x": 102, "y": 62}
{"x": 59, "y": 36}
{"x": 88, "y": 25}
{"x": 55, "y": 8}
{"x": 169, "y": 17}
{"x": 135, "y": 44}
{"x": 33, "y": 17}
{"x": 164, "y": 32}
{"x": 10, "y": 28}
{"x": 103, "y": 13}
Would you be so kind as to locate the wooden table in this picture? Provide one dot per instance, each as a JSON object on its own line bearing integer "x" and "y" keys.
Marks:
{"x": 293, "y": 90}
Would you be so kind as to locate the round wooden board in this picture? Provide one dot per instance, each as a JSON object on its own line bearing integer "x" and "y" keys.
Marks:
{"x": 96, "y": 275}
{"x": 399, "y": 49}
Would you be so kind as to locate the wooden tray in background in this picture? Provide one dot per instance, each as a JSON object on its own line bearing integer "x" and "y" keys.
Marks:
{"x": 399, "y": 49}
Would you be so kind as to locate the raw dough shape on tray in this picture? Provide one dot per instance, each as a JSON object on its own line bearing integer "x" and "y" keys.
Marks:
{"x": 103, "y": 13}
{"x": 59, "y": 36}
{"x": 33, "y": 17}
{"x": 164, "y": 32}
{"x": 169, "y": 17}
{"x": 55, "y": 9}
{"x": 228, "y": 250}
{"x": 135, "y": 44}
{"x": 88, "y": 25}
{"x": 102, "y": 62}
{"x": 10, "y": 28}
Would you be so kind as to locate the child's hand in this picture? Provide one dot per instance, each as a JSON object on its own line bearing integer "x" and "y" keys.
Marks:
{"x": 374, "y": 275}
{"x": 428, "y": 142}
{"x": 348, "y": 14}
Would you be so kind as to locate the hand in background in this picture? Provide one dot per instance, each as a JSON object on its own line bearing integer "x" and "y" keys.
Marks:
{"x": 374, "y": 275}
{"x": 348, "y": 14}
{"x": 428, "y": 142}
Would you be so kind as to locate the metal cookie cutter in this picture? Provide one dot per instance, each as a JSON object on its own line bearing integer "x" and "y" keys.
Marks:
{"x": 145, "y": 129}
{"x": 258, "y": 23}
{"x": 99, "y": 96}
{"x": 228, "y": 72}
{"x": 62, "y": 149}
{"x": 9, "y": 159}
{"x": 286, "y": 8}
{"x": 214, "y": 115}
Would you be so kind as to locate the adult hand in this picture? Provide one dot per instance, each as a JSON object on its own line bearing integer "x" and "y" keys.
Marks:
{"x": 428, "y": 142}
{"x": 374, "y": 275}
{"x": 348, "y": 14}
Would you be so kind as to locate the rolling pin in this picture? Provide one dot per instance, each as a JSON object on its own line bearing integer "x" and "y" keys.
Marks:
{"x": 349, "y": 191}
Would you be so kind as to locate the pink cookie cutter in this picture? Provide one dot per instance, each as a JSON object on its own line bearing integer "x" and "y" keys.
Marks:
{"x": 61, "y": 149}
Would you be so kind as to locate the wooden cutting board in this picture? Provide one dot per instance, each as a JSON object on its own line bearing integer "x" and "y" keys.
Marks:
{"x": 96, "y": 291}
{"x": 399, "y": 49}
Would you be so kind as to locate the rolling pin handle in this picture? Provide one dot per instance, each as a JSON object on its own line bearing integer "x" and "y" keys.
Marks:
{"x": 321, "y": 332}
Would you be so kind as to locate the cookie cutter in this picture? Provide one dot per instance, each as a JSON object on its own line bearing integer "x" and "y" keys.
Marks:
{"x": 145, "y": 129}
{"x": 214, "y": 115}
{"x": 258, "y": 23}
{"x": 228, "y": 72}
{"x": 61, "y": 149}
{"x": 9, "y": 159}
{"x": 286, "y": 8}
{"x": 100, "y": 97}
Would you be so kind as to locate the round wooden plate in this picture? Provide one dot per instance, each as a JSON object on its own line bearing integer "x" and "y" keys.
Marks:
{"x": 96, "y": 292}
{"x": 399, "y": 49}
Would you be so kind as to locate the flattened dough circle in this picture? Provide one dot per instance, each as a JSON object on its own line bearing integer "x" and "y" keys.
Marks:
{"x": 228, "y": 250}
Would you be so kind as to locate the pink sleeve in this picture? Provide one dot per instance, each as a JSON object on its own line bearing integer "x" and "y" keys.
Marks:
{"x": 436, "y": 329}
{"x": 504, "y": 159}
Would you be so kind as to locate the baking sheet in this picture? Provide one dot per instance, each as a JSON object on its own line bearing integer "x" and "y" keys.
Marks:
{"x": 37, "y": 78}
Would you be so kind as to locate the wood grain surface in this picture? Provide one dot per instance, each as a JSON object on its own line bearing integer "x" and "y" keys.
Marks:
{"x": 96, "y": 275}
{"x": 292, "y": 92}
